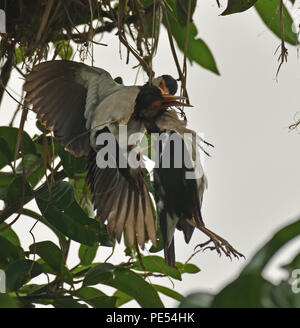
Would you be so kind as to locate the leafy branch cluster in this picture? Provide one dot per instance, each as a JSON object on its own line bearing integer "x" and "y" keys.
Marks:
{"x": 28, "y": 172}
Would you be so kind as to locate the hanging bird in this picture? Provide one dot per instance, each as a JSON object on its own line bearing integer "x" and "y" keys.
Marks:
{"x": 79, "y": 104}
{"x": 179, "y": 188}
{"x": 85, "y": 108}
{"x": 179, "y": 185}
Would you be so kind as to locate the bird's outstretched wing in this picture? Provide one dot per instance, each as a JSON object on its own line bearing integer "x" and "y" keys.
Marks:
{"x": 79, "y": 102}
{"x": 65, "y": 95}
{"x": 121, "y": 198}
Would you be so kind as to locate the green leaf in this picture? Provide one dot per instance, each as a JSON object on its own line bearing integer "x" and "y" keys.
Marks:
{"x": 159, "y": 243}
{"x": 20, "y": 54}
{"x": 63, "y": 49}
{"x": 269, "y": 12}
{"x": 197, "y": 50}
{"x": 81, "y": 270}
{"x": 46, "y": 267}
{"x": 187, "y": 268}
{"x": 9, "y": 252}
{"x": 237, "y": 6}
{"x": 168, "y": 292}
{"x": 31, "y": 288}
{"x": 47, "y": 146}
{"x": 87, "y": 254}
{"x": 122, "y": 298}
{"x": 9, "y": 234}
{"x": 7, "y": 301}
{"x": 265, "y": 254}
{"x": 67, "y": 303}
{"x": 60, "y": 208}
{"x": 294, "y": 264}
{"x": 182, "y": 10}
{"x": 82, "y": 193}
{"x": 135, "y": 286}
{"x": 282, "y": 296}
{"x": 6, "y": 156}
{"x": 50, "y": 253}
{"x": 126, "y": 281}
{"x": 10, "y": 136}
{"x": 72, "y": 164}
{"x": 197, "y": 300}
{"x": 154, "y": 263}
{"x": 87, "y": 293}
{"x": 5, "y": 180}
{"x": 20, "y": 272}
{"x": 33, "y": 167}
{"x": 53, "y": 256}
{"x": 79, "y": 184}
{"x": 62, "y": 239}
{"x": 103, "y": 302}
{"x": 99, "y": 274}
{"x": 248, "y": 291}
{"x": 19, "y": 192}
{"x": 95, "y": 297}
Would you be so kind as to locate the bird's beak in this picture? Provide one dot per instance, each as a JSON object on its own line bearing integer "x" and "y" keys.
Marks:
{"x": 170, "y": 100}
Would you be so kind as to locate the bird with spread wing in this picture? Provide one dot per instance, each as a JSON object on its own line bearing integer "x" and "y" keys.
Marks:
{"x": 82, "y": 105}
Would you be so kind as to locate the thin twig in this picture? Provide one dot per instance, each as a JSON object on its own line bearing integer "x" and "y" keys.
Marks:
{"x": 11, "y": 223}
{"x": 170, "y": 36}
{"x": 124, "y": 41}
{"x": 172, "y": 46}
{"x": 284, "y": 52}
{"x": 34, "y": 243}
{"x": 184, "y": 68}
{"x": 44, "y": 20}
{"x": 20, "y": 132}
{"x": 11, "y": 123}
{"x": 196, "y": 252}
{"x": 110, "y": 255}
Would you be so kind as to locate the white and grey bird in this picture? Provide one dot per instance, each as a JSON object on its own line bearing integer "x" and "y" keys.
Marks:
{"x": 79, "y": 104}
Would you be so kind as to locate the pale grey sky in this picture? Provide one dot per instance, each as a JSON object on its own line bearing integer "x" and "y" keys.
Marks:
{"x": 253, "y": 173}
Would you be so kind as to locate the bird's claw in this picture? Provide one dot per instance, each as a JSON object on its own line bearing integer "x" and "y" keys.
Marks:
{"x": 221, "y": 246}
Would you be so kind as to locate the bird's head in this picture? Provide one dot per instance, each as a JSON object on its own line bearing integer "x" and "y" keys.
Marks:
{"x": 166, "y": 83}
{"x": 151, "y": 101}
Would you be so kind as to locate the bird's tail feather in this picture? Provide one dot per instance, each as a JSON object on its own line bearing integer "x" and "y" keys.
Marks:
{"x": 123, "y": 201}
{"x": 170, "y": 254}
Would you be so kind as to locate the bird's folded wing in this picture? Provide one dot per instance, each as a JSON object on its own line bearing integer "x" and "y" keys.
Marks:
{"x": 178, "y": 189}
{"x": 65, "y": 95}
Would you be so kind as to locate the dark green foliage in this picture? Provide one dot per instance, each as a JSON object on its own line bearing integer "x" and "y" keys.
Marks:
{"x": 237, "y": 6}
{"x": 250, "y": 289}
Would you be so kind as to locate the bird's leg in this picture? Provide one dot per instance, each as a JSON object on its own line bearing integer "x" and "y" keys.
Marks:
{"x": 220, "y": 244}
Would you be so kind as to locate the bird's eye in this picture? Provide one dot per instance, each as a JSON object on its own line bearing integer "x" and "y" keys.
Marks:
{"x": 163, "y": 87}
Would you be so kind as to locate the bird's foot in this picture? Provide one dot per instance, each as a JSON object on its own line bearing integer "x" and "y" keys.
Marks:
{"x": 219, "y": 244}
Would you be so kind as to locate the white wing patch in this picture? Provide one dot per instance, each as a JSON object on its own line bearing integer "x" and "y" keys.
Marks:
{"x": 116, "y": 108}
{"x": 99, "y": 85}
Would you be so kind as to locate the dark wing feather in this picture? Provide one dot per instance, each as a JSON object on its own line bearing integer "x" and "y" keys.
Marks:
{"x": 64, "y": 93}
{"x": 121, "y": 199}
{"x": 178, "y": 198}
